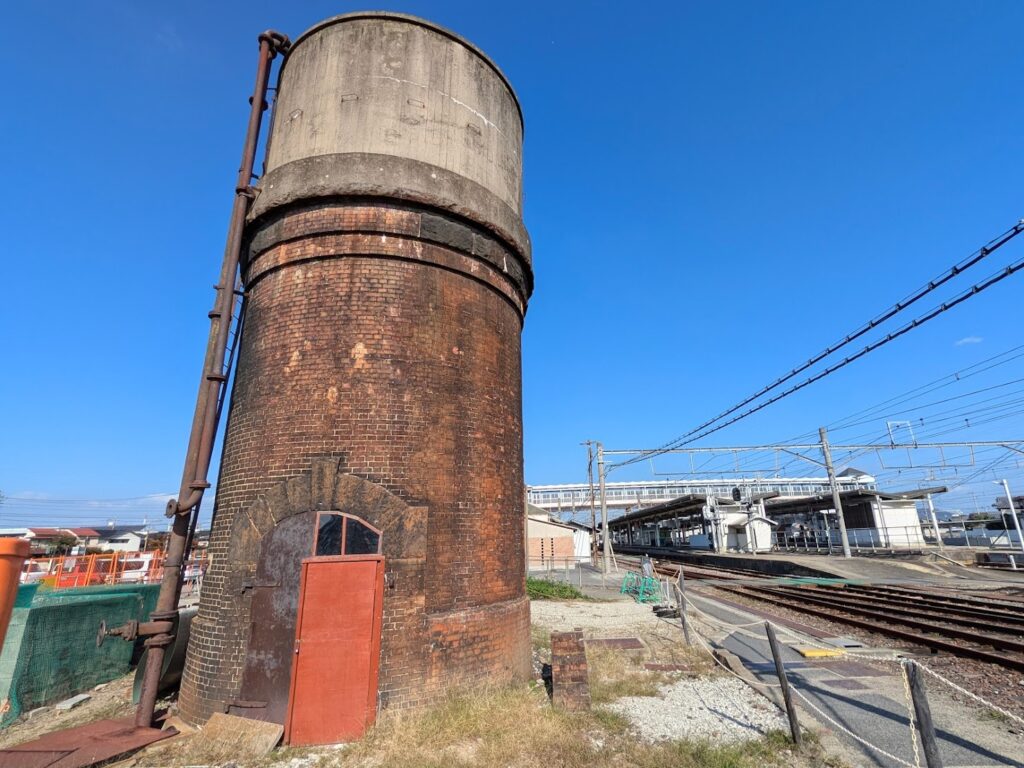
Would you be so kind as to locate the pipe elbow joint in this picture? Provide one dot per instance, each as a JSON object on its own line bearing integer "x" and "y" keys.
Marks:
{"x": 278, "y": 41}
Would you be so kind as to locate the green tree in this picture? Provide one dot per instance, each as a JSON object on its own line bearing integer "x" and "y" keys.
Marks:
{"x": 64, "y": 543}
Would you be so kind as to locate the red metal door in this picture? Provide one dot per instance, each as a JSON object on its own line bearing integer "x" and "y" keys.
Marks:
{"x": 333, "y": 696}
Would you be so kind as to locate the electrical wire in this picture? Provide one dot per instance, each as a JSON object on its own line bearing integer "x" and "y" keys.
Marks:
{"x": 974, "y": 290}
{"x": 990, "y": 247}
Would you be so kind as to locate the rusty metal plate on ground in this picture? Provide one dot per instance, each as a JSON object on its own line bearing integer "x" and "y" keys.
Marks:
{"x": 618, "y": 643}
{"x": 83, "y": 746}
{"x": 26, "y": 759}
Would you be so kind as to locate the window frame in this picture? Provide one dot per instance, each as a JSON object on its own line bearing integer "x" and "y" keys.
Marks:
{"x": 345, "y": 517}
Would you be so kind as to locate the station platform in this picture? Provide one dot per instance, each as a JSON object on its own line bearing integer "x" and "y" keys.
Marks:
{"x": 926, "y": 568}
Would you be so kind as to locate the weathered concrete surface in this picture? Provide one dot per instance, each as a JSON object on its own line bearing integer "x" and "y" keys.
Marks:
{"x": 403, "y": 88}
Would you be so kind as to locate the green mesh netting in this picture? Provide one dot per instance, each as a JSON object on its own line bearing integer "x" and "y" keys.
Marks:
{"x": 50, "y": 650}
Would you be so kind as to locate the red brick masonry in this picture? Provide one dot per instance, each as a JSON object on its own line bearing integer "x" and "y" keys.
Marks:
{"x": 570, "y": 685}
{"x": 379, "y": 374}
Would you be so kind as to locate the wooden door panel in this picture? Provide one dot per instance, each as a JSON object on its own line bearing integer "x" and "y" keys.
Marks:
{"x": 334, "y": 676}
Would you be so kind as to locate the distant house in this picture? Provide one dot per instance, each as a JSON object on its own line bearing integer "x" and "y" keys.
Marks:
{"x": 553, "y": 544}
{"x": 123, "y": 538}
{"x": 87, "y": 537}
{"x": 45, "y": 541}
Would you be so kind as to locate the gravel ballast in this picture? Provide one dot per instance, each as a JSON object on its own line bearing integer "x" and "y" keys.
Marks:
{"x": 596, "y": 619}
{"x": 717, "y": 710}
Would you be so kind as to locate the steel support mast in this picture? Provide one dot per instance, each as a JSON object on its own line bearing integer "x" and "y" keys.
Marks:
{"x": 836, "y": 501}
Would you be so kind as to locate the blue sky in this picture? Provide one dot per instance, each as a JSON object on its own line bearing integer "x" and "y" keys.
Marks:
{"x": 715, "y": 191}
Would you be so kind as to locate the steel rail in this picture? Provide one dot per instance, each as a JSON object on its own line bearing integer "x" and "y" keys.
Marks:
{"x": 957, "y": 599}
{"x": 938, "y": 603}
{"x": 894, "y": 607}
{"x": 999, "y": 643}
{"x": 933, "y": 643}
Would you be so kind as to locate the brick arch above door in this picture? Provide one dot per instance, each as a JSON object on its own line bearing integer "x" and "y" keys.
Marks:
{"x": 326, "y": 486}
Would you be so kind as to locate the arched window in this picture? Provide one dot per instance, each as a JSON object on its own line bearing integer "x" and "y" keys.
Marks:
{"x": 340, "y": 534}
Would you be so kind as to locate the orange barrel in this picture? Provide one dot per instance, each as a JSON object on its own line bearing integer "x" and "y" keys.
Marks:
{"x": 12, "y": 558}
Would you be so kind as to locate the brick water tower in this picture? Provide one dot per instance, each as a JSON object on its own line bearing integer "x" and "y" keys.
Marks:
{"x": 367, "y": 543}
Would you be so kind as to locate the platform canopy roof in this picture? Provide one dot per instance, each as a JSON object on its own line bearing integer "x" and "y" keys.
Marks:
{"x": 690, "y": 504}
{"x": 821, "y": 502}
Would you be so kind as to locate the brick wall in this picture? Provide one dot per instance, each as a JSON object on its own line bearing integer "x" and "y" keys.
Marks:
{"x": 383, "y": 341}
{"x": 551, "y": 549}
{"x": 570, "y": 682}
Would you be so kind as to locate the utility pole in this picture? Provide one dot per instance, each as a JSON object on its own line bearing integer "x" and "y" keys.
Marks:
{"x": 606, "y": 540}
{"x": 935, "y": 520}
{"x": 1013, "y": 515}
{"x": 836, "y": 501}
{"x": 593, "y": 513}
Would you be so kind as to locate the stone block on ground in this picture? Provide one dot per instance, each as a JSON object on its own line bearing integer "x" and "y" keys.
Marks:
{"x": 570, "y": 686}
{"x": 73, "y": 702}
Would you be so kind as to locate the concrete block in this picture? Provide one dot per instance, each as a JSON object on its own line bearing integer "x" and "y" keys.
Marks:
{"x": 73, "y": 702}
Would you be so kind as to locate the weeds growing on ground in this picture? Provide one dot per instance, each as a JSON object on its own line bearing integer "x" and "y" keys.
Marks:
{"x": 540, "y": 638}
{"x": 542, "y": 589}
{"x": 614, "y": 675}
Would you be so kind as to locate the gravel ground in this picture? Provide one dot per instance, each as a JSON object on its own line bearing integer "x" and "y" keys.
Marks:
{"x": 722, "y": 709}
{"x": 605, "y": 619}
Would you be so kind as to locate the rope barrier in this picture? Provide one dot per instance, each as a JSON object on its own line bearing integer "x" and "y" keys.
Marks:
{"x": 866, "y": 657}
{"x": 847, "y": 731}
{"x": 704, "y": 644}
{"x": 968, "y": 693}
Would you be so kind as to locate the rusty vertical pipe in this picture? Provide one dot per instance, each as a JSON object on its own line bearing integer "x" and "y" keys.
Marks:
{"x": 204, "y": 422}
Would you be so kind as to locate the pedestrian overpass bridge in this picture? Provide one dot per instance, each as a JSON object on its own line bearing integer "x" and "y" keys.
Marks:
{"x": 574, "y": 498}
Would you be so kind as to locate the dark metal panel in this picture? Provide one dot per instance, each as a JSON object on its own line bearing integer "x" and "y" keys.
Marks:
{"x": 275, "y": 606}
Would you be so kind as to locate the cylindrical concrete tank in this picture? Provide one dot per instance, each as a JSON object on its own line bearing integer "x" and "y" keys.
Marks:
{"x": 387, "y": 271}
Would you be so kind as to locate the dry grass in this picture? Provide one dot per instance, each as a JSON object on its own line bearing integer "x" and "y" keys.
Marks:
{"x": 540, "y": 639}
{"x": 615, "y": 674}
{"x": 517, "y": 728}
{"x": 509, "y": 728}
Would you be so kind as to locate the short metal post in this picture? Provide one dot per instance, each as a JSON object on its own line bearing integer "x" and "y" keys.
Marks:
{"x": 787, "y": 697}
{"x": 923, "y": 714}
{"x": 681, "y": 602}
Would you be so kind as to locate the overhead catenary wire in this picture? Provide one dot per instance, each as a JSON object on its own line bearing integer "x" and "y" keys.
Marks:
{"x": 945, "y": 306}
{"x": 879, "y": 409}
{"x": 986, "y": 250}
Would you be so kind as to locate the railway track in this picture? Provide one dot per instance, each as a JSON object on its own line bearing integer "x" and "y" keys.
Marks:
{"x": 967, "y": 626}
